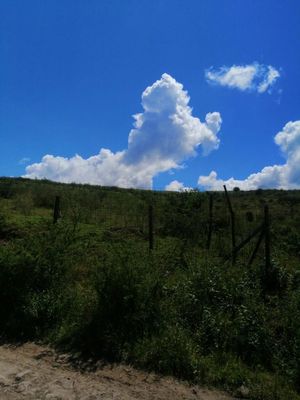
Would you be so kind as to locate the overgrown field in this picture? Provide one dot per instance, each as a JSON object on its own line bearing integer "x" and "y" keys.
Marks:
{"x": 90, "y": 283}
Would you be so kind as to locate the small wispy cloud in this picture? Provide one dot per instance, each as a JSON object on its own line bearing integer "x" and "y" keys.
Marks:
{"x": 24, "y": 160}
{"x": 252, "y": 77}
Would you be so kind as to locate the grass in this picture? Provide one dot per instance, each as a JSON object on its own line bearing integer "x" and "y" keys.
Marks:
{"x": 90, "y": 284}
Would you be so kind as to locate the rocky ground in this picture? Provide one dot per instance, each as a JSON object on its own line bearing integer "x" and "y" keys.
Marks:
{"x": 36, "y": 372}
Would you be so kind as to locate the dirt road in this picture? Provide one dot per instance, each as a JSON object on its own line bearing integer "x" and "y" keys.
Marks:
{"x": 37, "y": 373}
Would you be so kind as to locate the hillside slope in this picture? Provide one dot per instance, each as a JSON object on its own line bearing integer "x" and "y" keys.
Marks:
{"x": 152, "y": 279}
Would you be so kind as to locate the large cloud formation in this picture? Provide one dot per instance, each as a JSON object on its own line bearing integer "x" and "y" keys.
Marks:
{"x": 286, "y": 176}
{"x": 251, "y": 77}
{"x": 163, "y": 136}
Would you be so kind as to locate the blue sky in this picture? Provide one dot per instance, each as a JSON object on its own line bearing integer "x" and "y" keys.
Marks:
{"x": 72, "y": 74}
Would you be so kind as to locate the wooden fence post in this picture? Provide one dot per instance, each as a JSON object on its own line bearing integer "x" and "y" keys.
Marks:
{"x": 232, "y": 219}
{"x": 210, "y": 221}
{"x": 267, "y": 239}
{"x": 150, "y": 227}
{"x": 56, "y": 210}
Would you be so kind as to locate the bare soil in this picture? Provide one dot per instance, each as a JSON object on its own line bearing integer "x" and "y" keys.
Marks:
{"x": 37, "y": 372}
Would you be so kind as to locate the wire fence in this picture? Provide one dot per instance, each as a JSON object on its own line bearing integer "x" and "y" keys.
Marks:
{"x": 205, "y": 222}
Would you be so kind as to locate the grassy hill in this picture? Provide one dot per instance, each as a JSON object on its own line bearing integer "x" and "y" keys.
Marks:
{"x": 90, "y": 282}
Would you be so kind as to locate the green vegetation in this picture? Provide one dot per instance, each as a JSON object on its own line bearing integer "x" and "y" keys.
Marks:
{"x": 89, "y": 282}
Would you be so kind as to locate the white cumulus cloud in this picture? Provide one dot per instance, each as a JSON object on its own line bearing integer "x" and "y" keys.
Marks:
{"x": 286, "y": 176}
{"x": 251, "y": 77}
{"x": 164, "y": 135}
{"x": 176, "y": 186}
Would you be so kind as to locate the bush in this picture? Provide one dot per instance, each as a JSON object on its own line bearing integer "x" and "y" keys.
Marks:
{"x": 33, "y": 272}
{"x": 127, "y": 303}
{"x": 170, "y": 352}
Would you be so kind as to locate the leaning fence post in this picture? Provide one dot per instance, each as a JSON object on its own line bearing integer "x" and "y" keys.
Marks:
{"x": 56, "y": 210}
{"x": 232, "y": 218}
{"x": 210, "y": 221}
{"x": 150, "y": 227}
